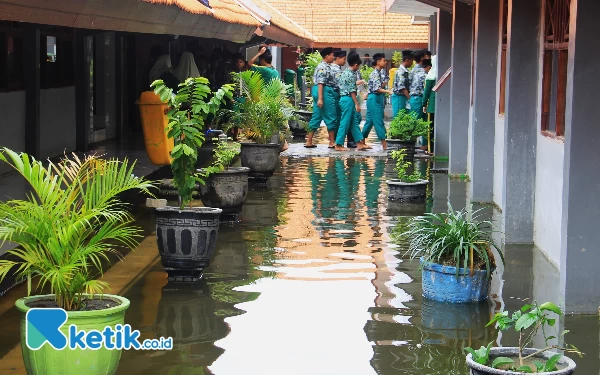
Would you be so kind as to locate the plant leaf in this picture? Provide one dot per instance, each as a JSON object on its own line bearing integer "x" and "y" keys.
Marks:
{"x": 501, "y": 361}
{"x": 549, "y": 306}
{"x": 551, "y": 362}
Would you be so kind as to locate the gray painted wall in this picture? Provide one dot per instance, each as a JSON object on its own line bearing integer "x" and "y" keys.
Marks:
{"x": 483, "y": 119}
{"x": 460, "y": 89}
{"x": 580, "y": 256}
{"x": 521, "y": 126}
{"x": 442, "y": 109}
{"x": 57, "y": 121}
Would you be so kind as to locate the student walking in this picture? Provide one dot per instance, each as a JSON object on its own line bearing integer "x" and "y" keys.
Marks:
{"x": 349, "y": 106}
{"x": 324, "y": 99}
{"x": 401, "y": 84}
{"x": 336, "y": 68}
{"x": 376, "y": 101}
{"x": 417, "y": 79}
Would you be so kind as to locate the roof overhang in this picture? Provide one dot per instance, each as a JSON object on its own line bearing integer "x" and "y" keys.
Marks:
{"x": 123, "y": 15}
{"x": 283, "y": 36}
{"x": 413, "y": 7}
{"x": 372, "y": 45}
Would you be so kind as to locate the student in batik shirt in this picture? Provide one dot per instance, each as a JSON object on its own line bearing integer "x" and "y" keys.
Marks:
{"x": 349, "y": 106}
{"x": 336, "y": 68}
{"x": 324, "y": 99}
{"x": 376, "y": 101}
{"x": 417, "y": 78}
{"x": 401, "y": 84}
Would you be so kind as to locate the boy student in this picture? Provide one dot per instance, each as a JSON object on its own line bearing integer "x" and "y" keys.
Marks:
{"x": 417, "y": 78}
{"x": 401, "y": 84}
{"x": 324, "y": 99}
{"x": 336, "y": 68}
{"x": 349, "y": 122}
{"x": 376, "y": 101}
{"x": 266, "y": 70}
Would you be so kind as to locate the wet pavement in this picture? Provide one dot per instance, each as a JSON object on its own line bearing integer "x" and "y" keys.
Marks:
{"x": 309, "y": 281}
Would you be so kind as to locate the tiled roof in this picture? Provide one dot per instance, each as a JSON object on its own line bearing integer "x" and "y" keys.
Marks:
{"x": 223, "y": 10}
{"x": 282, "y": 21}
{"x": 352, "y": 22}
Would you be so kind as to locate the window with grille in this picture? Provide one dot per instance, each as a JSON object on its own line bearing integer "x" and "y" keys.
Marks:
{"x": 502, "y": 94}
{"x": 555, "y": 63}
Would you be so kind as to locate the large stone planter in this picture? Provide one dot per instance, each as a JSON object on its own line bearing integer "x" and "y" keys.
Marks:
{"x": 566, "y": 365}
{"x": 441, "y": 284}
{"x": 408, "y": 146}
{"x": 50, "y": 361}
{"x": 226, "y": 190}
{"x": 186, "y": 240}
{"x": 262, "y": 159}
{"x": 399, "y": 191}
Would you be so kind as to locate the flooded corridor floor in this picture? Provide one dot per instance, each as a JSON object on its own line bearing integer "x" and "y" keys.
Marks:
{"x": 310, "y": 282}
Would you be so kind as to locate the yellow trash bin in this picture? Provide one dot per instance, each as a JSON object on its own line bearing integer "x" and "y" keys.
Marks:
{"x": 154, "y": 123}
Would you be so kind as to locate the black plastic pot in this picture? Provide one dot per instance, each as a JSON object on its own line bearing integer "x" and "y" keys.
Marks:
{"x": 262, "y": 159}
{"x": 399, "y": 191}
{"x": 409, "y": 146}
{"x": 226, "y": 190}
{"x": 566, "y": 364}
{"x": 186, "y": 240}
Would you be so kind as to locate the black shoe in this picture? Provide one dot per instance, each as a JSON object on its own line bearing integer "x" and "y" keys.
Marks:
{"x": 351, "y": 145}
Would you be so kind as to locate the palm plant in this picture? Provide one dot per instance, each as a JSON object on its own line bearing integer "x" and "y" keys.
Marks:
{"x": 266, "y": 109}
{"x": 70, "y": 222}
{"x": 188, "y": 111}
{"x": 452, "y": 238}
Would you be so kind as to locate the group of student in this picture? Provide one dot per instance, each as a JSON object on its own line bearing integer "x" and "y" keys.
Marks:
{"x": 336, "y": 100}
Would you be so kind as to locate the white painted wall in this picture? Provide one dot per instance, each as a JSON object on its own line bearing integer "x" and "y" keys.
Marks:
{"x": 499, "y": 161}
{"x": 57, "y": 121}
{"x": 12, "y": 123}
{"x": 548, "y": 197}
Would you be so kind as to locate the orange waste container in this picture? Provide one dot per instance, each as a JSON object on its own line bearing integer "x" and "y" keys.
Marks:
{"x": 154, "y": 123}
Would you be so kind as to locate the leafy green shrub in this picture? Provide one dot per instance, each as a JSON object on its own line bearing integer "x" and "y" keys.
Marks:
{"x": 69, "y": 223}
{"x": 527, "y": 322}
{"x": 224, "y": 154}
{"x": 311, "y": 61}
{"x": 402, "y": 166}
{"x": 266, "y": 109}
{"x": 188, "y": 111}
{"x": 407, "y": 127}
{"x": 455, "y": 238}
{"x": 397, "y": 59}
{"x": 365, "y": 72}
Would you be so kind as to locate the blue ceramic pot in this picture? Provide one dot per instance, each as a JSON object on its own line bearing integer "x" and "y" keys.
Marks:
{"x": 440, "y": 283}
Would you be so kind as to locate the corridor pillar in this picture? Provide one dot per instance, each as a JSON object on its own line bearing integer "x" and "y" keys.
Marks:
{"x": 460, "y": 88}
{"x": 442, "y": 105}
{"x": 483, "y": 118}
{"x": 521, "y": 120}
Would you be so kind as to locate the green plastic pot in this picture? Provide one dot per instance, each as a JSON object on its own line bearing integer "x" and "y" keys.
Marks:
{"x": 49, "y": 361}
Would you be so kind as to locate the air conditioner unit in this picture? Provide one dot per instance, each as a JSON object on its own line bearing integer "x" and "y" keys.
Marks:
{"x": 420, "y": 20}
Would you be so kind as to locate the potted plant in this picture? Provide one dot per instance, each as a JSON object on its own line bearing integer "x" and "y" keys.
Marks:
{"x": 263, "y": 115}
{"x": 67, "y": 227}
{"x": 527, "y": 322}
{"x": 404, "y": 130}
{"x": 408, "y": 187}
{"x": 187, "y": 236}
{"x": 225, "y": 187}
{"x": 455, "y": 253}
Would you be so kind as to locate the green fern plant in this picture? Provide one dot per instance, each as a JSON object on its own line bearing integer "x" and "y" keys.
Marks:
{"x": 188, "y": 111}
{"x": 266, "y": 108}
{"x": 69, "y": 223}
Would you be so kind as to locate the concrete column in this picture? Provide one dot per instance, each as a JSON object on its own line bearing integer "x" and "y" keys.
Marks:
{"x": 442, "y": 105}
{"x": 483, "y": 119}
{"x": 521, "y": 120}
{"x": 105, "y": 117}
{"x": 581, "y": 186}
{"x": 31, "y": 68}
{"x": 460, "y": 89}
{"x": 433, "y": 33}
{"x": 82, "y": 91}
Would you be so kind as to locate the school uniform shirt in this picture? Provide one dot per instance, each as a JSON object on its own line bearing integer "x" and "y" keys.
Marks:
{"x": 375, "y": 81}
{"x": 336, "y": 70}
{"x": 347, "y": 82}
{"x": 385, "y": 78}
{"x": 401, "y": 80}
{"x": 417, "y": 79}
{"x": 324, "y": 75}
